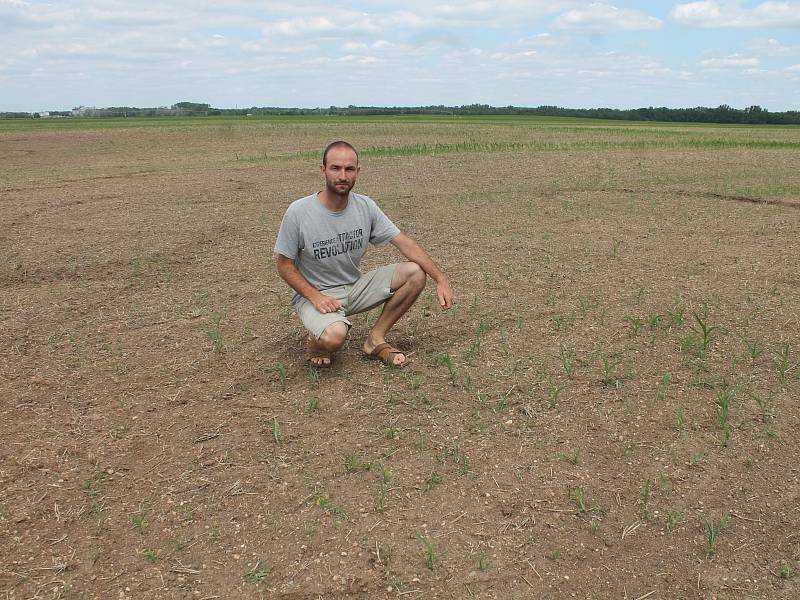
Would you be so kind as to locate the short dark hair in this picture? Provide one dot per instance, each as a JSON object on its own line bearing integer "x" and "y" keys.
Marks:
{"x": 337, "y": 144}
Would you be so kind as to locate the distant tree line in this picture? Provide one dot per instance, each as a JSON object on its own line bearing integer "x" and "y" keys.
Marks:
{"x": 701, "y": 114}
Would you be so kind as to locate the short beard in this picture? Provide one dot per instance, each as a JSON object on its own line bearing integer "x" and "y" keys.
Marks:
{"x": 334, "y": 192}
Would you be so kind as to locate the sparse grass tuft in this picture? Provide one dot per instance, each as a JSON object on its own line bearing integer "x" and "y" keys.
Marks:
{"x": 712, "y": 533}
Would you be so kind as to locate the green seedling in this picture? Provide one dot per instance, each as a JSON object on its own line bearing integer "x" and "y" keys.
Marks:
{"x": 635, "y": 325}
{"x": 787, "y": 572}
{"x": 483, "y": 563}
{"x": 783, "y": 364}
{"x": 430, "y": 554}
{"x": 554, "y": 554}
{"x": 674, "y": 520}
{"x": 647, "y": 491}
{"x": 282, "y": 375}
{"x": 313, "y": 376}
{"x": 432, "y": 481}
{"x": 351, "y": 463}
{"x": 695, "y": 458}
{"x": 319, "y": 499}
{"x": 608, "y": 370}
{"x": 724, "y": 398}
{"x": 313, "y": 403}
{"x": 386, "y": 478}
{"x": 579, "y": 497}
{"x": 712, "y": 533}
{"x": 704, "y": 330}
{"x": 443, "y": 358}
{"x": 661, "y": 393}
{"x": 615, "y": 244}
{"x": 214, "y": 333}
{"x": 677, "y": 316}
{"x": 276, "y": 431}
{"x": 567, "y": 360}
{"x": 681, "y": 423}
{"x": 476, "y": 343}
{"x": 553, "y": 392}
{"x": 575, "y": 459}
{"x": 152, "y": 556}
{"x": 765, "y": 407}
{"x": 139, "y": 521}
{"x": 654, "y": 321}
{"x": 256, "y": 575}
{"x": 752, "y": 348}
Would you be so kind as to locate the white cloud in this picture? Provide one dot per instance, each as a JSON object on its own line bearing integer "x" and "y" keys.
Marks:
{"x": 709, "y": 13}
{"x": 604, "y": 18}
{"x": 793, "y": 69}
{"x": 772, "y": 47}
{"x": 734, "y": 60}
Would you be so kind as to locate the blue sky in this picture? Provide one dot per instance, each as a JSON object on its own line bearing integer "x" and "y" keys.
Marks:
{"x": 619, "y": 54}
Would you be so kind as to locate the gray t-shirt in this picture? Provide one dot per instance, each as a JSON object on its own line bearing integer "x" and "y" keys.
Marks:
{"x": 326, "y": 245}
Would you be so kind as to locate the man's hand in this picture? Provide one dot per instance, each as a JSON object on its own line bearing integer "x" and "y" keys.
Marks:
{"x": 445, "y": 293}
{"x": 326, "y": 304}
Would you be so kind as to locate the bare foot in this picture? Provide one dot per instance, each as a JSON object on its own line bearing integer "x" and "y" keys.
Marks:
{"x": 317, "y": 356}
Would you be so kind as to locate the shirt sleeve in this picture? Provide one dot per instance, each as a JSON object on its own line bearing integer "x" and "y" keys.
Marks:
{"x": 289, "y": 241}
{"x": 383, "y": 230}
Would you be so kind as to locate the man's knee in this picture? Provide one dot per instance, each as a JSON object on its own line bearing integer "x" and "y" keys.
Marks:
{"x": 334, "y": 336}
{"x": 410, "y": 273}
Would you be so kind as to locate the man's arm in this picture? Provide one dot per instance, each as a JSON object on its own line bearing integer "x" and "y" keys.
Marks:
{"x": 415, "y": 253}
{"x": 291, "y": 275}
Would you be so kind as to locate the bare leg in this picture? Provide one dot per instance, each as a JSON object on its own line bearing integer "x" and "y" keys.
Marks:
{"x": 407, "y": 282}
{"x": 320, "y": 351}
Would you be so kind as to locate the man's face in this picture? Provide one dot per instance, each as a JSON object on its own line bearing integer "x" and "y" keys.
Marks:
{"x": 340, "y": 171}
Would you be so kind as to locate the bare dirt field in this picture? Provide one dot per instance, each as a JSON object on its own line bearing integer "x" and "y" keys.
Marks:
{"x": 609, "y": 411}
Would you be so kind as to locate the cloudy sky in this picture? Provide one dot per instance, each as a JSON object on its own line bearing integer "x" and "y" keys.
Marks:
{"x": 59, "y": 54}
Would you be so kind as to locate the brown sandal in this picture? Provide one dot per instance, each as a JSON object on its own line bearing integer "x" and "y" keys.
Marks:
{"x": 385, "y": 353}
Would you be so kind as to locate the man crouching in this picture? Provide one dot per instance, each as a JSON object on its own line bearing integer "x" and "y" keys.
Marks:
{"x": 320, "y": 244}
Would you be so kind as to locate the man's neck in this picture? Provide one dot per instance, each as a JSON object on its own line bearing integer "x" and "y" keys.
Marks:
{"x": 333, "y": 202}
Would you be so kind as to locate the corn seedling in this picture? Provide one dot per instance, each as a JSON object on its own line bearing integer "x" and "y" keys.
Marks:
{"x": 312, "y": 374}
{"x": 724, "y": 398}
{"x": 313, "y": 403}
{"x": 567, "y": 360}
{"x": 386, "y": 478}
{"x": 214, "y": 333}
{"x": 256, "y": 575}
{"x": 276, "y": 430}
{"x": 615, "y": 244}
{"x": 704, "y": 330}
{"x": 635, "y": 325}
{"x": 553, "y": 392}
{"x": 712, "y": 533}
{"x": 432, "y": 481}
{"x": 282, "y": 375}
{"x": 554, "y": 554}
{"x": 575, "y": 459}
{"x": 647, "y": 491}
{"x": 787, "y": 572}
{"x": 681, "y": 423}
{"x": 319, "y": 499}
{"x": 752, "y": 348}
{"x": 152, "y": 556}
{"x": 443, "y": 358}
{"x": 351, "y": 463}
{"x": 578, "y": 496}
{"x": 608, "y": 370}
{"x": 661, "y": 393}
{"x": 483, "y": 563}
{"x": 677, "y": 316}
{"x": 674, "y": 520}
{"x": 476, "y": 343}
{"x": 139, "y": 521}
{"x": 430, "y": 553}
{"x": 782, "y": 364}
